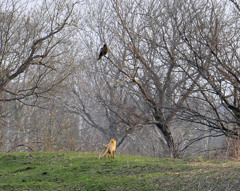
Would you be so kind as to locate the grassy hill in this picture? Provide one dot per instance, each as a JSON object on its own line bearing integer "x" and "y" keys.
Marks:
{"x": 84, "y": 171}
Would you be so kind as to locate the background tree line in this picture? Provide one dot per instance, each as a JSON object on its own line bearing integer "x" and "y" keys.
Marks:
{"x": 168, "y": 87}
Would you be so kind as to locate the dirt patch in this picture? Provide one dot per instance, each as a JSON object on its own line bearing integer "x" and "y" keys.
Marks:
{"x": 25, "y": 169}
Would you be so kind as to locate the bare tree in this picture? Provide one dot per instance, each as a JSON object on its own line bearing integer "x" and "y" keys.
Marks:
{"x": 211, "y": 42}
{"x": 163, "y": 56}
{"x": 140, "y": 82}
{"x": 36, "y": 39}
{"x": 30, "y": 41}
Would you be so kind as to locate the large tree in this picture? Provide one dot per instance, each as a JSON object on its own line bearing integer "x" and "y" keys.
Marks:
{"x": 165, "y": 58}
{"x": 140, "y": 83}
{"x": 36, "y": 40}
{"x": 210, "y": 34}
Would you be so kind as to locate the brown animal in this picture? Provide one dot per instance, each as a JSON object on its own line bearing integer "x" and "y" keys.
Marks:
{"x": 104, "y": 50}
{"x": 110, "y": 148}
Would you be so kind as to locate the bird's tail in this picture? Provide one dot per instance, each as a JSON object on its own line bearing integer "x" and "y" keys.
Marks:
{"x": 99, "y": 57}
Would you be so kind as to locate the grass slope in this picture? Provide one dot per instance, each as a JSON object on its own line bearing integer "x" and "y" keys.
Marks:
{"x": 84, "y": 171}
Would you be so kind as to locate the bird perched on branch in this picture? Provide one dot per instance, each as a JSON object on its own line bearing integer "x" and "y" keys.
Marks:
{"x": 104, "y": 50}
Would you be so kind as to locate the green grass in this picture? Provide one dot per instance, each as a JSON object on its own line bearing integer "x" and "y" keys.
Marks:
{"x": 84, "y": 171}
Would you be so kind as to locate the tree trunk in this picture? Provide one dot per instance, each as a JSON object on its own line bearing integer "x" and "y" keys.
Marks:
{"x": 167, "y": 134}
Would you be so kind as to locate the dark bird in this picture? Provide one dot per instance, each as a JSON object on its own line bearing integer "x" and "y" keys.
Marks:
{"x": 104, "y": 50}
